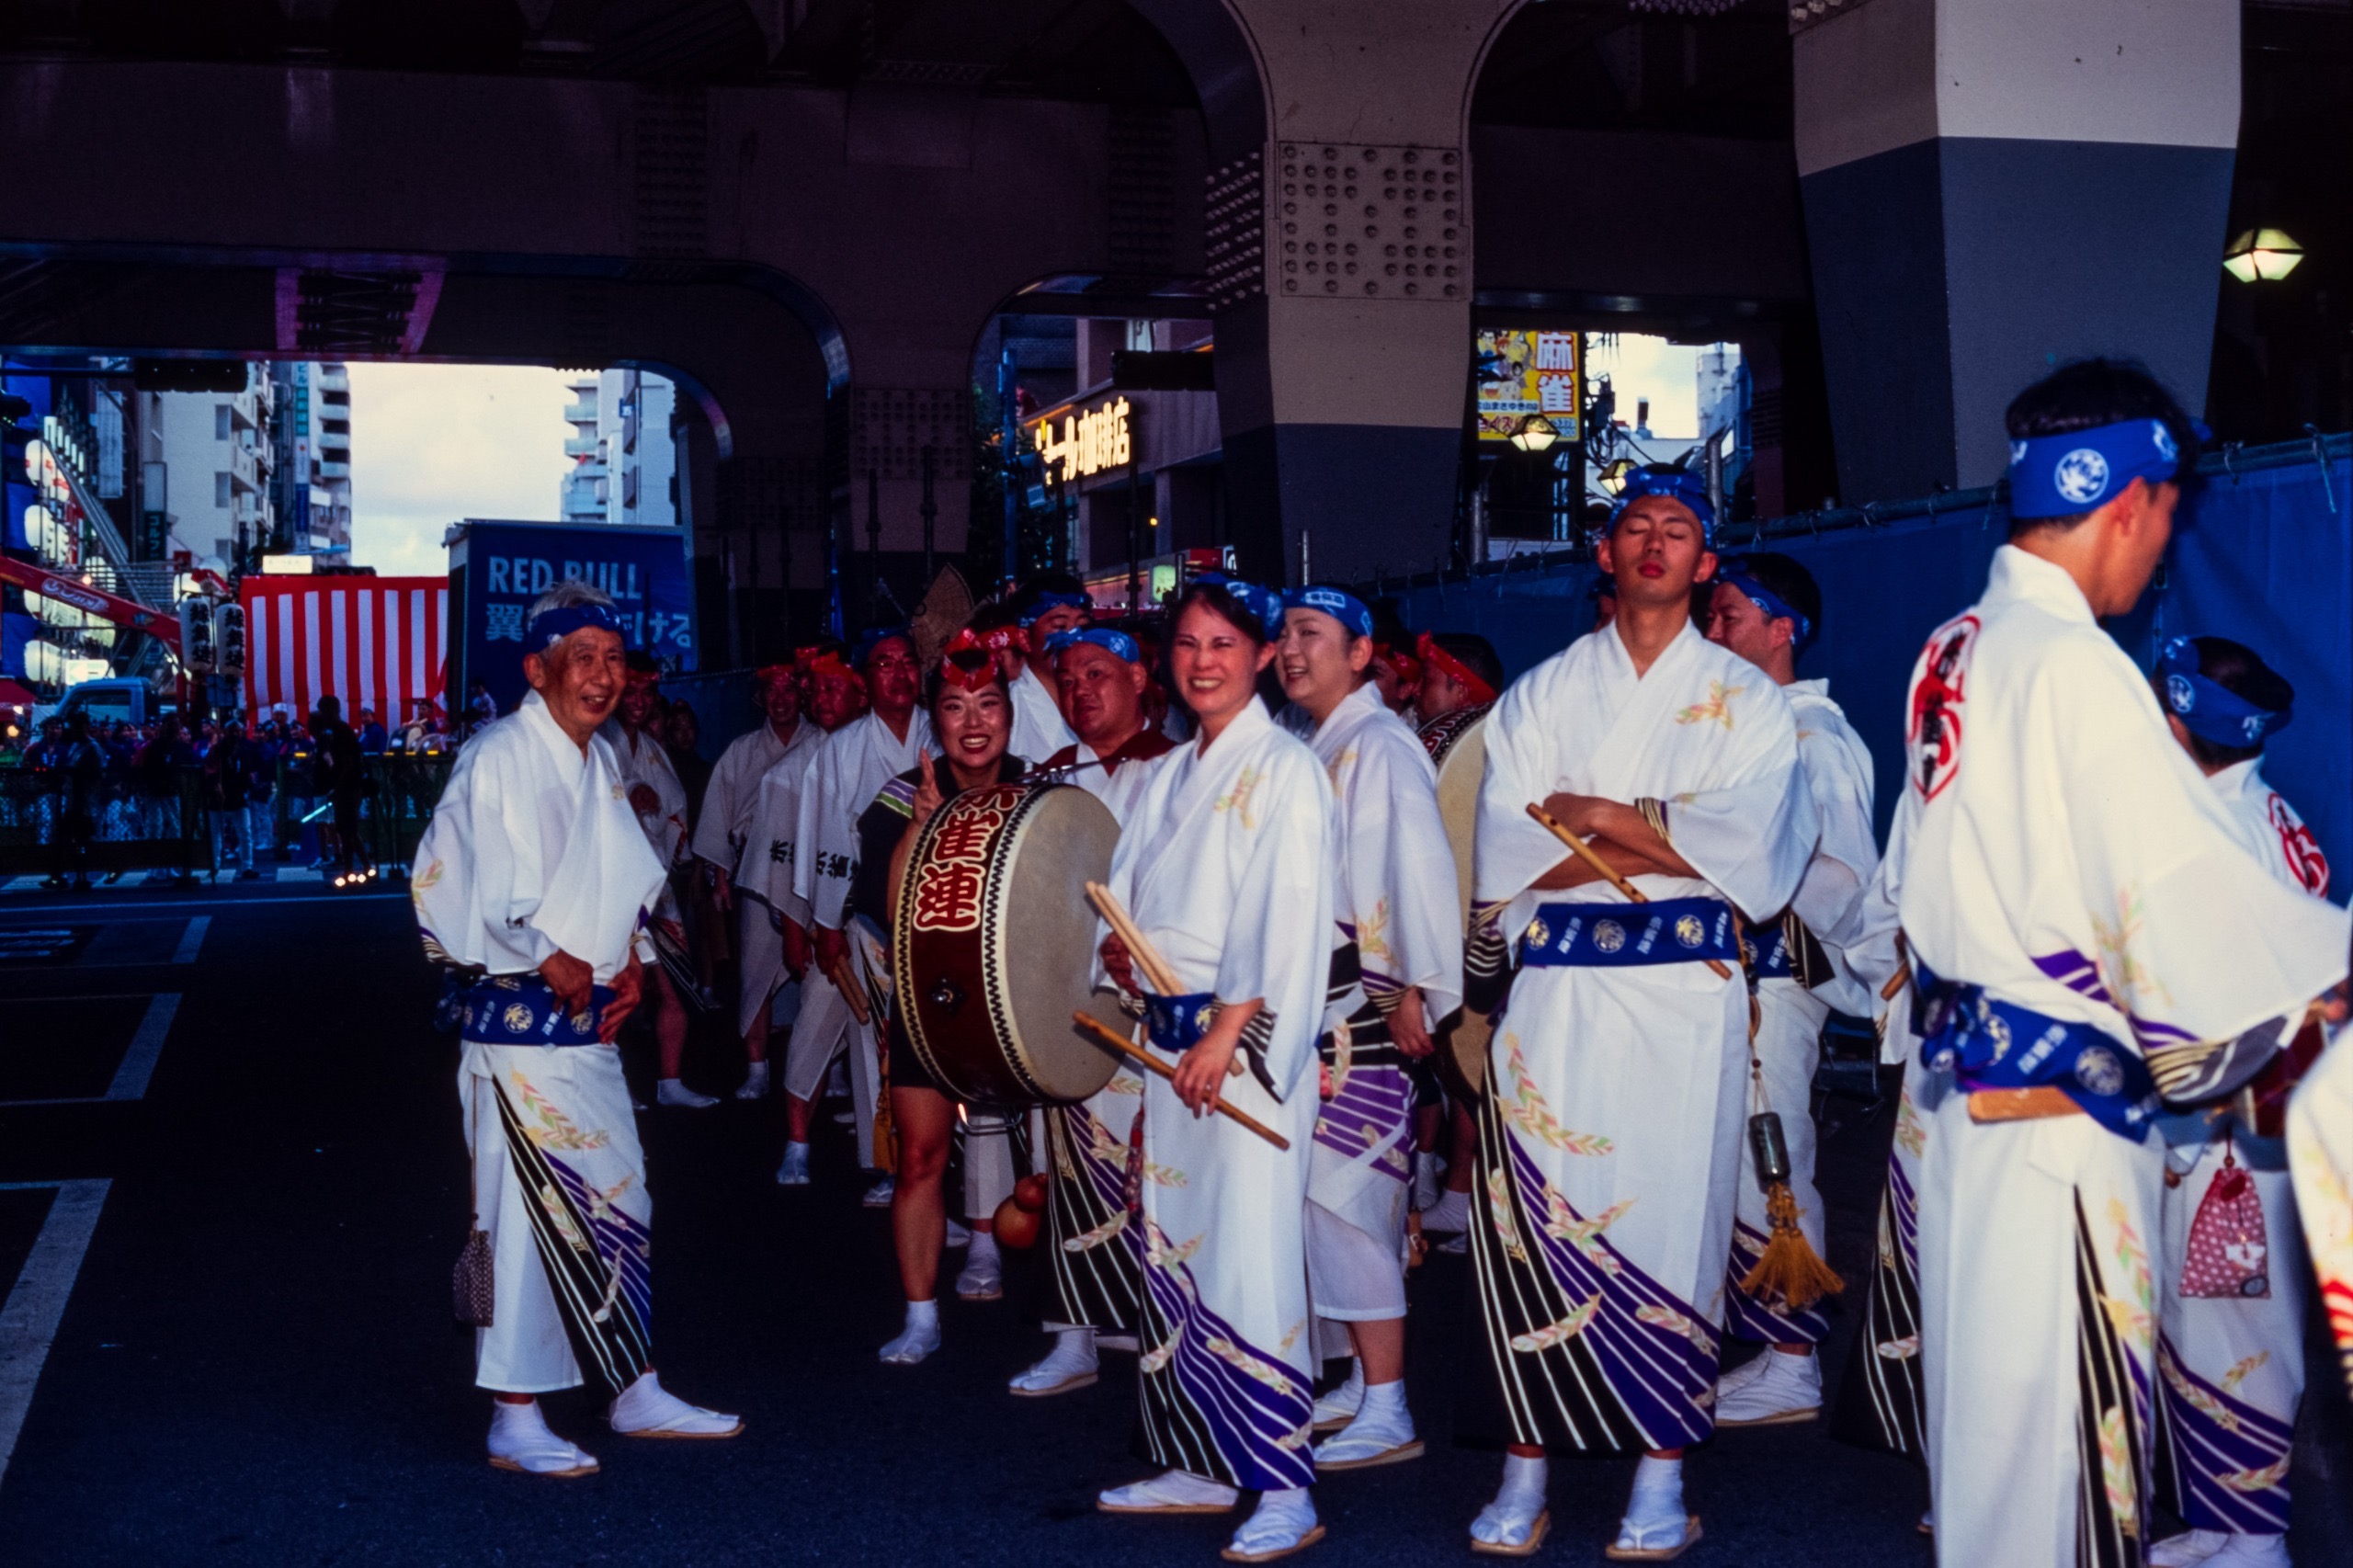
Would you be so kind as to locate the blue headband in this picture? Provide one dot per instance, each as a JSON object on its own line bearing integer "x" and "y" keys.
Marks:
{"x": 2210, "y": 709}
{"x": 873, "y": 637}
{"x": 2062, "y": 476}
{"x": 1338, "y": 603}
{"x": 1044, "y": 602}
{"x": 1119, "y": 644}
{"x": 1734, "y": 575}
{"x": 1264, "y": 603}
{"x": 1675, "y": 485}
{"x": 549, "y": 627}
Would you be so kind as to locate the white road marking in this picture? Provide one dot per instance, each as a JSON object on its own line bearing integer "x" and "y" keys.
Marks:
{"x": 138, "y": 1062}
{"x": 192, "y": 938}
{"x": 35, "y": 1306}
{"x": 138, "y": 1059}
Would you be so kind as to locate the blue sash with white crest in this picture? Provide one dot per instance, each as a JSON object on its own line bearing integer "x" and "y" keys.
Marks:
{"x": 1626, "y": 936}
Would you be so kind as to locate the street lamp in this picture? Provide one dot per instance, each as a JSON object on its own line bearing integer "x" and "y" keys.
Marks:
{"x": 1535, "y": 434}
{"x": 2262, "y": 255}
{"x": 1613, "y": 477}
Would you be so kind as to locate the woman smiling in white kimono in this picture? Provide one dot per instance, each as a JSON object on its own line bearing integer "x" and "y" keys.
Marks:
{"x": 1225, "y": 864}
{"x": 1618, "y": 1079}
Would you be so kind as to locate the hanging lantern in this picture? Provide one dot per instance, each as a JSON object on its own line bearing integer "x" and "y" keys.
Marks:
{"x": 2264, "y": 255}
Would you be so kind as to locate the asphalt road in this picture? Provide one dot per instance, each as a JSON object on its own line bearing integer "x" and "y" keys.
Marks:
{"x": 255, "y": 1362}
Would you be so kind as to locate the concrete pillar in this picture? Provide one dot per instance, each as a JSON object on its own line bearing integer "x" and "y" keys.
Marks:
{"x": 1340, "y": 259}
{"x": 1994, "y": 187}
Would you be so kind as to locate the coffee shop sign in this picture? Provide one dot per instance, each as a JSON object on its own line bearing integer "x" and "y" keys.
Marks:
{"x": 1091, "y": 440}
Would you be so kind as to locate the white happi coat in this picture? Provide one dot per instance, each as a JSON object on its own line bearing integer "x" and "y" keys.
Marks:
{"x": 643, "y": 761}
{"x": 2056, "y": 847}
{"x": 1226, "y": 866}
{"x": 2231, "y": 1369}
{"x": 1830, "y": 901}
{"x": 533, "y": 850}
{"x": 1622, "y": 1091}
{"x": 733, "y": 791}
{"x": 845, "y": 771}
{"x": 1038, "y": 728}
{"x": 1395, "y": 894}
{"x": 762, "y": 875}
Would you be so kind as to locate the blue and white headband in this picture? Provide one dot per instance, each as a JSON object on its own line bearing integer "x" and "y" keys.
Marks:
{"x": 1119, "y": 644}
{"x": 1734, "y": 574}
{"x": 1338, "y": 603}
{"x": 1677, "y": 485}
{"x": 2210, "y": 709}
{"x": 2064, "y": 476}
{"x": 1264, "y": 603}
{"x": 550, "y": 627}
{"x": 1044, "y": 603}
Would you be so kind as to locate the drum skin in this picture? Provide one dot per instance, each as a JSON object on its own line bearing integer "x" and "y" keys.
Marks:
{"x": 1457, "y": 747}
{"x": 995, "y": 944}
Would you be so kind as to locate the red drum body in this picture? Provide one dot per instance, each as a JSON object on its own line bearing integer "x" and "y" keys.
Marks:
{"x": 995, "y": 944}
{"x": 1458, "y": 748}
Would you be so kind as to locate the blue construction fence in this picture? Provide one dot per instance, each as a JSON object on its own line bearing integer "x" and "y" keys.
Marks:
{"x": 2262, "y": 553}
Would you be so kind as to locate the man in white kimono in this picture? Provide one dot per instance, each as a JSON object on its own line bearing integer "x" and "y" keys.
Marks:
{"x": 2231, "y": 1323}
{"x": 832, "y": 696}
{"x": 845, "y": 772}
{"x": 2086, "y": 933}
{"x": 1397, "y": 971}
{"x": 1618, "y": 1075}
{"x": 1048, "y": 605}
{"x": 659, "y": 798}
{"x": 1768, "y": 608}
{"x": 729, "y": 804}
{"x": 1091, "y": 1259}
{"x": 534, "y": 879}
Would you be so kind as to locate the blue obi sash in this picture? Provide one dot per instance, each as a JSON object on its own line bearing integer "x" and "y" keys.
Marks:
{"x": 521, "y": 1009}
{"x": 1622, "y": 935}
{"x": 1768, "y": 947}
{"x": 1177, "y": 1023}
{"x": 1990, "y": 1044}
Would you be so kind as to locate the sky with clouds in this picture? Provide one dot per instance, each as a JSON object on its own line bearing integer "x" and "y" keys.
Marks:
{"x": 431, "y": 444}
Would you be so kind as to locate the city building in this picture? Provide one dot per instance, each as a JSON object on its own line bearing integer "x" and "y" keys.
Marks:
{"x": 623, "y": 450}
{"x": 210, "y": 461}
{"x": 312, "y": 489}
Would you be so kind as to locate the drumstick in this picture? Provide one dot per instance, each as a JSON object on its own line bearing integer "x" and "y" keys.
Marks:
{"x": 1586, "y": 853}
{"x": 853, "y": 990}
{"x": 1156, "y": 972}
{"x": 1104, "y": 1035}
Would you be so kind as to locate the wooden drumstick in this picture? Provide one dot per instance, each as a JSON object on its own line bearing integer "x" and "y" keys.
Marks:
{"x": 843, "y": 974}
{"x": 1156, "y": 972}
{"x": 1602, "y": 868}
{"x": 1105, "y": 1035}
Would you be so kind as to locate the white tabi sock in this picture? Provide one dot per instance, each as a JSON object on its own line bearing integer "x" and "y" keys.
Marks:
{"x": 794, "y": 1171}
{"x": 647, "y": 1409}
{"x": 1654, "y": 1514}
{"x": 519, "y": 1440}
{"x": 918, "y": 1339}
{"x": 1171, "y": 1489}
{"x": 1425, "y": 1180}
{"x": 1280, "y": 1522}
{"x": 755, "y": 1083}
{"x": 983, "y": 1247}
{"x": 1507, "y": 1520}
{"x": 1383, "y": 1432}
{"x": 1072, "y": 1357}
{"x": 1339, "y": 1407}
{"x": 672, "y": 1092}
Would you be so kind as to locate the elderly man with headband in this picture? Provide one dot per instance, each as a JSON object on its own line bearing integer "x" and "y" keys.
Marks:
{"x": 533, "y": 881}
{"x": 2090, "y": 941}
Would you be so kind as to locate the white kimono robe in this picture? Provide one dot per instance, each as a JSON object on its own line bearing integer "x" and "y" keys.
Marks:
{"x": 763, "y": 875}
{"x": 2320, "y": 1158}
{"x": 1618, "y": 1096}
{"x": 1226, "y": 867}
{"x": 1038, "y": 728}
{"x": 1830, "y": 903}
{"x": 534, "y": 850}
{"x": 2231, "y": 1368}
{"x": 643, "y": 761}
{"x": 723, "y": 835}
{"x": 845, "y": 771}
{"x": 1394, "y": 898}
{"x": 2056, "y": 847}
{"x": 1094, "y": 1259}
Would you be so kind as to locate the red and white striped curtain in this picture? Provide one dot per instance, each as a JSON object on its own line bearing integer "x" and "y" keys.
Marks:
{"x": 375, "y": 642}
